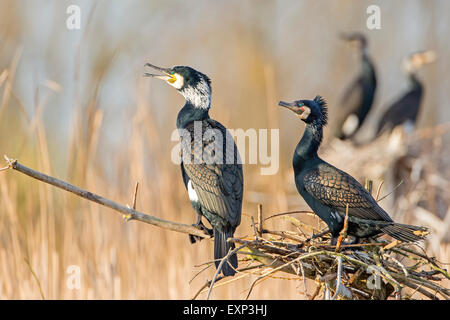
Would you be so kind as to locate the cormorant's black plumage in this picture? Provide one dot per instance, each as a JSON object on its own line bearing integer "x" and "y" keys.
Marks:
{"x": 213, "y": 177}
{"x": 359, "y": 96}
{"x": 328, "y": 190}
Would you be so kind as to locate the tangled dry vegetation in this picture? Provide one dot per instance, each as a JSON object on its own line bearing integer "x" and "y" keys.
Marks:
{"x": 377, "y": 269}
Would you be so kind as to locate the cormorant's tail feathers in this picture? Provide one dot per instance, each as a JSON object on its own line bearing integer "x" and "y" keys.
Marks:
{"x": 221, "y": 248}
{"x": 405, "y": 233}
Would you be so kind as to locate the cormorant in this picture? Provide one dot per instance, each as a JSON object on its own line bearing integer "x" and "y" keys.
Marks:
{"x": 328, "y": 190}
{"x": 406, "y": 108}
{"x": 211, "y": 166}
{"x": 358, "y": 97}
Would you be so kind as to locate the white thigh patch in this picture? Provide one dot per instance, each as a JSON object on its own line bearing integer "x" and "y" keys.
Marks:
{"x": 350, "y": 125}
{"x": 192, "y": 194}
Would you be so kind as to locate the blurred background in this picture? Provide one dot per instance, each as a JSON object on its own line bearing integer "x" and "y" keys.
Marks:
{"x": 74, "y": 104}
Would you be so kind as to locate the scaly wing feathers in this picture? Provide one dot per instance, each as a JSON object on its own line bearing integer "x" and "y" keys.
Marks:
{"x": 335, "y": 188}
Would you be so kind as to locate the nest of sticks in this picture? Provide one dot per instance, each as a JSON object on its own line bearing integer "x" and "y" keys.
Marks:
{"x": 372, "y": 270}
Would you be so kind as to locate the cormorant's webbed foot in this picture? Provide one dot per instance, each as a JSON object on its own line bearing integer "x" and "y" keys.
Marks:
{"x": 199, "y": 224}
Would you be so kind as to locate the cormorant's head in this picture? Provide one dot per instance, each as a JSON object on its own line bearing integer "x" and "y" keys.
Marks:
{"x": 192, "y": 84}
{"x": 415, "y": 61}
{"x": 310, "y": 111}
{"x": 355, "y": 39}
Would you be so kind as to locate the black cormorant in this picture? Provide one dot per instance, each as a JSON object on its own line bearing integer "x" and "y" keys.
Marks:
{"x": 358, "y": 97}
{"x": 211, "y": 166}
{"x": 328, "y": 190}
{"x": 406, "y": 108}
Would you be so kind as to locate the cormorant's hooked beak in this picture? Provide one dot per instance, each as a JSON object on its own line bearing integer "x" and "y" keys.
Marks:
{"x": 291, "y": 106}
{"x": 167, "y": 74}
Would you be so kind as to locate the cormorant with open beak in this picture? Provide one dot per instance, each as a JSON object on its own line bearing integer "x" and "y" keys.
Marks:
{"x": 328, "y": 190}
{"x": 211, "y": 166}
{"x": 406, "y": 109}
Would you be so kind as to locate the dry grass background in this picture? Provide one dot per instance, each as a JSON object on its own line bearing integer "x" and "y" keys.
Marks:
{"x": 73, "y": 104}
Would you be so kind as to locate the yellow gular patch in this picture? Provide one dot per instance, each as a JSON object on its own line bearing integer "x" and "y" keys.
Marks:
{"x": 173, "y": 79}
{"x": 176, "y": 81}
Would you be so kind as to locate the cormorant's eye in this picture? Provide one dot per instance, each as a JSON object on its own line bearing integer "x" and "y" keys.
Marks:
{"x": 172, "y": 72}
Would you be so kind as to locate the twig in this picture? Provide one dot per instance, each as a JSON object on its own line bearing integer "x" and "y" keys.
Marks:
{"x": 35, "y": 278}
{"x": 430, "y": 260}
{"x": 343, "y": 233}
{"x": 219, "y": 267}
{"x": 338, "y": 278}
{"x": 128, "y": 217}
{"x": 135, "y": 195}
{"x": 379, "y": 190}
{"x": 198, "y": 273}
{"x": 283, "y": 234}
{"x": 260, "y": 220}
{"x": 405, "y": 271}
{"x": 286, "y": 213}
{"x": 304, "y": 278}
{"x": 255, "y": 232}
{"x": 390, "y": 192}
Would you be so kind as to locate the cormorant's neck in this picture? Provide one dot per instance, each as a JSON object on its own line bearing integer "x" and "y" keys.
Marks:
{"x": 309, "y": 144}
{"x": 190, "y": 113}
{"x": 414, "y": 80}
{"x": 198, "y": 95}
{"x": 198, "y": 102}
{"x": 368, "y": 69}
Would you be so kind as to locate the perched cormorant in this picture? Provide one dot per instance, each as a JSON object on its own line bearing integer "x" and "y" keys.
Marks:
{"x": 358, "y": 97}
{"x": 211, "y": 166}
{"x": 406, "y": 108}
{"x": 328, "y": 190}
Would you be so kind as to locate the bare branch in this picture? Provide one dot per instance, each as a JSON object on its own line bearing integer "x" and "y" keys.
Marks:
{"x": 260, "y": 220}
{"x": 129, "y": 212}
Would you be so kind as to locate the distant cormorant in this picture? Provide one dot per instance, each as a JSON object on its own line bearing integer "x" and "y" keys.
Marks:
{"x": 328, "y": 190}
{"x": 406, "y": 109}
{"x": 211, "y": 166}
{"x": 359, "y": 96}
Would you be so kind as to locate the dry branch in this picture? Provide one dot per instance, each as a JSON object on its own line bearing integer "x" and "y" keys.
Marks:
{"x": 129, "y": 212}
